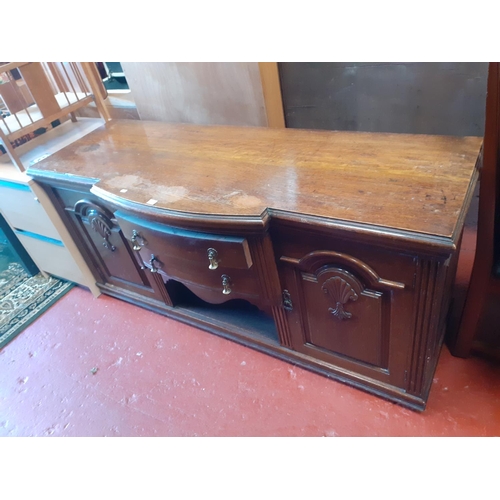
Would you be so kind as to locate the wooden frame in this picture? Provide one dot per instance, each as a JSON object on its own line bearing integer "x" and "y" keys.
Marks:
{"x": 483, "y": 283}
{"x": 11, "y": 151}
{"x": 271, "y": 88}
{"x": 12, "y": 65}
{"x": 97, "y": 88}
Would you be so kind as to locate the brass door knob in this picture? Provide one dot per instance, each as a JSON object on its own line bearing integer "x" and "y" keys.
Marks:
{"x": 212, "y": 258}
{"x": 226, "y": 282}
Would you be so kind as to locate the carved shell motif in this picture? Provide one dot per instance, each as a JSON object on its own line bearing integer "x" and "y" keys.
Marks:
{"x": 99, "y": 224}
{"x": 341, "y": 292}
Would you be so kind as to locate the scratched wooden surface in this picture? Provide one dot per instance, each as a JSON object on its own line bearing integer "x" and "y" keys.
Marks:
{"x": 410, "y": 182}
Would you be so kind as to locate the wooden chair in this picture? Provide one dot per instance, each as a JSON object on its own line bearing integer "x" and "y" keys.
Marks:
{"x": 485, "y": 278}
{"x": 38, "y": 94}
{"x": 36, "y": 97}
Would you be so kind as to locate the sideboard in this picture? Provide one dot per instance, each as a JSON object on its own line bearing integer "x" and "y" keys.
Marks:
{"x": 335, "y": 251}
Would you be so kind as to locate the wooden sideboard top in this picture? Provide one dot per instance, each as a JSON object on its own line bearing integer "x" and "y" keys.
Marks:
{"x": 417, "y": 183}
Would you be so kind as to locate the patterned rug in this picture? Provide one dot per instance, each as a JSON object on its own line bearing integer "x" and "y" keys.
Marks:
{"x": 23, "y": 298}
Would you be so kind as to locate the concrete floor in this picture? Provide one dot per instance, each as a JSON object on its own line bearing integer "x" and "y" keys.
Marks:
{"x": 101, "y": 367}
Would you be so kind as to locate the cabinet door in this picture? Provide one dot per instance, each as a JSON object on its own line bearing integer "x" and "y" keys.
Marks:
{"x": 106, "y": 248}
{"x": 343, "y": 313}
{"x": 110, "y": 249}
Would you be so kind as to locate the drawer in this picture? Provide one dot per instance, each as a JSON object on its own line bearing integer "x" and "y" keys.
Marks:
{"x": 240, "y": 282}
{"x": 23, "y": 211}
{"x": 214, "y": 251}
{"x": 51, "y": 256}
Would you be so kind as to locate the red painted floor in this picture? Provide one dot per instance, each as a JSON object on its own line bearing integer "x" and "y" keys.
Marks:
{"x": 159, "y": 377}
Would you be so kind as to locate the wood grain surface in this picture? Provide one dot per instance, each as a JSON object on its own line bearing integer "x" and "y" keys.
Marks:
{"x": 222, "y": 93}
{"x": 414, "y": 183}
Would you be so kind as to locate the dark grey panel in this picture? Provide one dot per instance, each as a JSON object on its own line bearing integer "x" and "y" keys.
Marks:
{"x": 418, "y": 98}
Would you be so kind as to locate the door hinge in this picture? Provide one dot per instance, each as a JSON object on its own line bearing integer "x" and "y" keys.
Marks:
{"x": 287, "y": 301}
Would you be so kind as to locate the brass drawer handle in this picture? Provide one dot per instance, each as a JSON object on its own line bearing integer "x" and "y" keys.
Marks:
{"x": 226, "y": 281}
{"x": 137, "y": 240}
{"x": 154, "y": 267}
{"x": 212, "y": 258}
